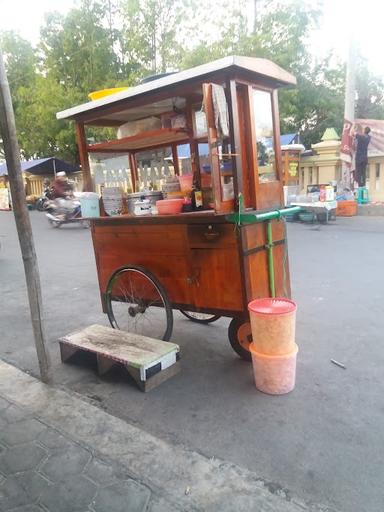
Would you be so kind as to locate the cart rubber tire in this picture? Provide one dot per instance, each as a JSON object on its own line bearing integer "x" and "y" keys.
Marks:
{"x": 208, "y": 320}
{"x": 235, "y": 330}
{"x": 160, "y": 289}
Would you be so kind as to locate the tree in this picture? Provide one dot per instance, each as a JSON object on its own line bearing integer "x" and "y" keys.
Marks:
{"x": 77, "y": 48}
{"x": 150, "y": 31}
{"x": 20, "y": 64}
{"x": 19, "y": 58}
{"x": 370, "y": 93}
{"x": 40, "y": 133}
{"x": 107, "y": 43}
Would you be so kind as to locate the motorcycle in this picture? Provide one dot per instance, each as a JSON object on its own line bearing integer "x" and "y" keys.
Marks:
{"x": 43, "y": 203}
{"x": 65, "y": 211}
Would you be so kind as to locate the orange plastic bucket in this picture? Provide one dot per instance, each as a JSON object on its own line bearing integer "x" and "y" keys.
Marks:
{"x": 275, "y": 375}
{"x": 273, "y": 323}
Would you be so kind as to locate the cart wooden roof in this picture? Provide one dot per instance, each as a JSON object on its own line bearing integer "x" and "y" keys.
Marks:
{"x": 108, "y": 110}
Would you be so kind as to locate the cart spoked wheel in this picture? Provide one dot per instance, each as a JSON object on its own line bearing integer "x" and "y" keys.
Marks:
{"x": 240, "y": 336}
{"x": 137, "y": 302}
{"x": 200, "y": 318}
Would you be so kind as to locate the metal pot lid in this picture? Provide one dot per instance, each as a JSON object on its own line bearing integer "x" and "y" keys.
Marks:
{"x": 144, "y": 193}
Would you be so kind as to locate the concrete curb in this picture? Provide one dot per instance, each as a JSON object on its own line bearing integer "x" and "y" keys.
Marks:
{"x": 185, "y": 478}
{"x": 371, "y": 210}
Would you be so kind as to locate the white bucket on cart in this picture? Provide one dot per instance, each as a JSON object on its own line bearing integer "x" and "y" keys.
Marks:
{"x": 89, "y": 202}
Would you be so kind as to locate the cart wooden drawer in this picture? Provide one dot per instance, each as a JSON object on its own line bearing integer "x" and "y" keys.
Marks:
{"x": 211, "y": 235}
{"x": 163, "y": 239}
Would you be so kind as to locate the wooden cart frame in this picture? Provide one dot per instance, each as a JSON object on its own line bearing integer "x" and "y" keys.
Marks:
{"x": 207, "y": 261}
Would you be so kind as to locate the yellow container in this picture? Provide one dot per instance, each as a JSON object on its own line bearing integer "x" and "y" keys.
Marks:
{"x": 96, "y": 95}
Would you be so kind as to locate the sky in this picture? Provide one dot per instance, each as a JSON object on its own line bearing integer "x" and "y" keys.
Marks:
{"x": 366, "y": 18}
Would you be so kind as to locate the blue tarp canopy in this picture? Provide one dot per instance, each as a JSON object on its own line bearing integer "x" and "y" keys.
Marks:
{"x": 285, "y": 140}
{"x": 184, "y": 150}
{"x": 43, "y": 166}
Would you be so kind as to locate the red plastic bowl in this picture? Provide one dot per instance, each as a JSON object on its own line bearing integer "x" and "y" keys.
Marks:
{"x": 169, "y": 206}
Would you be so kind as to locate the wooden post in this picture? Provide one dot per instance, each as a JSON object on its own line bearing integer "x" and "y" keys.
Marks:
{"x": 193, "y": 144}
{"x": 175, "y": 159}
{"x": 235, "y": 137}
{"x": 23, "y": 222}
{"x": 83, "y": 152}
{"x": 134, "y": 172}
{"x": 213, "y": 147}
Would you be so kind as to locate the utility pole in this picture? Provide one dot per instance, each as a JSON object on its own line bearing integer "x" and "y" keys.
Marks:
{"x": 23, "y": 222}
{"x": 349, "y": 116}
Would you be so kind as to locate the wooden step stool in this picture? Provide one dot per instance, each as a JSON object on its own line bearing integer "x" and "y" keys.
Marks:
{"x": 149, "y": 361}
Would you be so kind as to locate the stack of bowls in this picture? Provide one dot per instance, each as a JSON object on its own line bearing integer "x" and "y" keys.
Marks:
{"x": 112, "y": 200}
{"x": 273, "y": 346}
{"x": 171, "y": 188}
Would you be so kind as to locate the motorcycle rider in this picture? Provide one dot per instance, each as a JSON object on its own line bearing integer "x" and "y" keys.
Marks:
{"x": 61, "y": 187}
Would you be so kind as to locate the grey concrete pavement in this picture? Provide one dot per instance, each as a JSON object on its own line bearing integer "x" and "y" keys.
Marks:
{"x": 60, "y": 454}
{"x": 323, "y": 442}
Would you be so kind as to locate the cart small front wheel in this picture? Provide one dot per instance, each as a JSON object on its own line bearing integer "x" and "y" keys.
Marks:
{"x": 200, "y": 318}
{"x": 240, "y": 336}
{"x": 137, "y": 302}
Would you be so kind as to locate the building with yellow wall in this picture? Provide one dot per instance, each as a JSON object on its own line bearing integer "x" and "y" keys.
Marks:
{"x": 323, "y": 166}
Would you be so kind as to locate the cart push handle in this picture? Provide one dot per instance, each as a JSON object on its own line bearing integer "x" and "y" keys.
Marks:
{"x": 243, "y": 217}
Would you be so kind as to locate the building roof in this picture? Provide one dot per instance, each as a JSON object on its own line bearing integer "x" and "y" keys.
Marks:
{"x": 260, "y": 68}
{"x": 330, "y": 134}
{"x": 42, "y": 166}
{"x": 285, "y": 140}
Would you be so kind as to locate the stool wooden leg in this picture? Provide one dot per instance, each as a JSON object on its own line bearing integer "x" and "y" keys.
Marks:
{"x": 104, "y": 364}
{"x": 66, "y": 351}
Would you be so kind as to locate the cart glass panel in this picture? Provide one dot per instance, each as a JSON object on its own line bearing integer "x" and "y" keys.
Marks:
{"x": 265, "y": 142}
{"x": 154, "y": 166}
{"x": 110, "y": 170}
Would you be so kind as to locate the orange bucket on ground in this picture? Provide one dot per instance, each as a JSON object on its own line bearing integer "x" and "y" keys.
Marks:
{"x": 346, "y": 208}
{"x": 274, "y": 375}
{"x": 273, "y": 322}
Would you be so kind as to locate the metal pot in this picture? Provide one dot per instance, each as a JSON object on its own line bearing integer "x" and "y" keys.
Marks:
{"x": 152, "y": 195}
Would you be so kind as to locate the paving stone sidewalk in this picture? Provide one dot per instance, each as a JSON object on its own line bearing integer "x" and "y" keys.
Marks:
{"x": 43, "y": 470}
{"x": 59, "y": 453}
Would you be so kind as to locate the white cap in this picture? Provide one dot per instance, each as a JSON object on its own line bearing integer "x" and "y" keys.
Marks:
{"x": 61, "y": 173}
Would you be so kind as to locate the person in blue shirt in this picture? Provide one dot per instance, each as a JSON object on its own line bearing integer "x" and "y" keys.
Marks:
{"x": 361, "y": 156}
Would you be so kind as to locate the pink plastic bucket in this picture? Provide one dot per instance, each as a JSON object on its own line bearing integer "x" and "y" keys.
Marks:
{"x": 275, "y": 375}
{"x": 273, "y": 323}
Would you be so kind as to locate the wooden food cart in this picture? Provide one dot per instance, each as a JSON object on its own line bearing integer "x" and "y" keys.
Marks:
{"x": 216, "y": 260}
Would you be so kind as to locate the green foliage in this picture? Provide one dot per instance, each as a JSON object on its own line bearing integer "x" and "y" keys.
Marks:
{"x": 108, "y": 43}
{"x": 150, "y": 29}
{"x": 40, "y": 133}
{"x": 19, "y": 58}
{"x": 370, "y": 94}
{"x": 78, "y": 48}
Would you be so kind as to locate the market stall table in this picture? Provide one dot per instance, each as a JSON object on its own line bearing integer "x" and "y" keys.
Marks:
{"x": 323, "y": 210}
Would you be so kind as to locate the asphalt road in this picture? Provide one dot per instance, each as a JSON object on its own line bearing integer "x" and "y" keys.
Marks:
{"x": 323, "y": 442}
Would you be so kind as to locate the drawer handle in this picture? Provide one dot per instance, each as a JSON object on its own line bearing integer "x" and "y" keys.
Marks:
{"x": 211, "y": 236}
